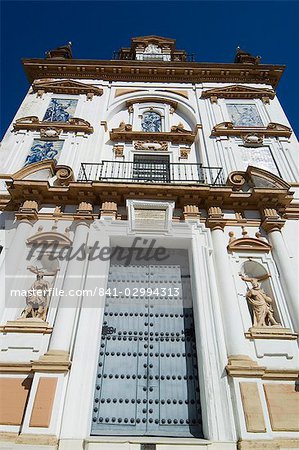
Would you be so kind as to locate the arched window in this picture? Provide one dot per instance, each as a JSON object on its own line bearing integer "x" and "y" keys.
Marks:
{"x": 259, "y": 295}
{"x": 151, "y": 122}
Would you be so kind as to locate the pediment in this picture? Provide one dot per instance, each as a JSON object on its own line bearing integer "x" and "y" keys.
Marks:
{"x": 271, "y": 130}
{"x": 66, "y": 87}
{"x": 239, "y": 92}
{"x": 48, "y": 238}
{"x": 42, "y": 170}
{"x": 254, "y": 177}
{"x": 248, "y": 244}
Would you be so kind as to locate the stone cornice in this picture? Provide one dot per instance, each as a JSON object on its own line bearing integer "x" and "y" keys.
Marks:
{"x": 122, "y": 70}
{"x": 96, "y": 192}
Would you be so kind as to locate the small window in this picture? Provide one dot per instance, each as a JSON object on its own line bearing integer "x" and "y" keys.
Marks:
{"x": 151, "y": 122}
{"x": 244, "y": 115}
{"x": 60, "y": 110}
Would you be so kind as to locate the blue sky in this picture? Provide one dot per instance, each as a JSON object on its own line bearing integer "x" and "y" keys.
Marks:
{"x": 210, "y": 29}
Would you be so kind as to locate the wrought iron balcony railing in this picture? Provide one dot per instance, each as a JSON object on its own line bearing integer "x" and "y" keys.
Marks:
{"x": 151, "y": 172}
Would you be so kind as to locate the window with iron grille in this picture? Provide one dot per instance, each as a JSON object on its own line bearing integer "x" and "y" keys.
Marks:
{"x": 151, "y": 168}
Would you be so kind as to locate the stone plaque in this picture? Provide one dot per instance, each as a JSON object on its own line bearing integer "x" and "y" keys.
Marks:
{"x": 150, "y": 218}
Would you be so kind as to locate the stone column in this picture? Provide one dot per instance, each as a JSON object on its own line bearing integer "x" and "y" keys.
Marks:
{"x": 233, "y": 329}
{"x": 273, "y": 224}
{"x": 26, "y": 217}
{"x": 64, "y": 324}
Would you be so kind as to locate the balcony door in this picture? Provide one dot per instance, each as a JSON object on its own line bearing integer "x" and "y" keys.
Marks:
{"x": 151, "y": 168}
{"x": 147, "y": 377}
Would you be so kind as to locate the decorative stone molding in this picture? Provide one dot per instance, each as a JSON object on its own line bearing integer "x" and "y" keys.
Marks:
{"x": 178, "y": 134}
{"x": 271, "y": 333}
{"x": 108, "y": 210}
{"x": 118, "y": 151}
{"x": 52, "y": 361}
{"x": 145, "y": 99}
{"x": 28, "y": 211}
{"x": 252, "y": 140}
{"x": 215, "y": 218}
{"x": 242, "y": 366}
{"x": 271, "y": 220}
{"x": 32, "y": 123}
{"x": 191, "y": 212}
{"x": 239, "y": 92}
{"x": 31, "y": 325}
{"x": 184, "y": 152}
{"x": 50, "y": 133}
{"x": 50, "y": 238}
{"x": 256, "y": 178}
{"x": 64, "y": 175}
{"x": 151, "y": 145}
{"x": 271, "y": 130}
{"x": 246, "y": 243}
{"x": 69, "y": 87}
{"x": 84, "y": 211}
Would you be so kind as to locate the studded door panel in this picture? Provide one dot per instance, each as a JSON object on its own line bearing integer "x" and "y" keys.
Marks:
{"x": 147, "y": 380}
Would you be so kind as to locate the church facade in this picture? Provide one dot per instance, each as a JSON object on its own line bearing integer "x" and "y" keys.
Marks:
{"x": 149, "y": 255}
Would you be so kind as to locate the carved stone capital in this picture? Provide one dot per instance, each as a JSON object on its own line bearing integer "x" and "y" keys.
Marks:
{"x": 271, "y": 220}
{"x": 108, "y": 210}
{"x": 191, "y": 212}
{"x": 28, "y": 211}
{"x": 184, "y": 152}
{"x": 215, "y": 218}
{"x": 118, "y": 151}
{"x": 84, "y": 211}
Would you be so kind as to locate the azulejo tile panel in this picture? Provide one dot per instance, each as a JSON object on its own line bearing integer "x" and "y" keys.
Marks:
{"x": 244, "y": 115}
{"x": 60, "y": 110}
{"x": 41, "y": 150}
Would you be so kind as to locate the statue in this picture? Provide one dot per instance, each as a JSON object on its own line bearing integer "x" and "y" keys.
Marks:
{"x": 37, "y": 295}
{"x": 260, "y": 301}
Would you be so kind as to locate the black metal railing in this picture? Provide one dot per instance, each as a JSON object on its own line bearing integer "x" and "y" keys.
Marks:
{"x": 153, "y": 172}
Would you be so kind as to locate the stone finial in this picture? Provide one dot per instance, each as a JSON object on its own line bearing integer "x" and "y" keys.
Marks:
{"x": 191, "y": 212}
{"x": 231, "y": 237}
{"x": 108, "y": 210}
{"x": 244, "y": 232}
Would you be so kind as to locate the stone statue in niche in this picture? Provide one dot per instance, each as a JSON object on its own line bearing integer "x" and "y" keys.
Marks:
{"x": 261, "y": 303}
{"x": 37, "y": 298}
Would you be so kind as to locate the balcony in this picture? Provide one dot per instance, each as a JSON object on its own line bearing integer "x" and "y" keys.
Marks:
{"x": 149, "y": 171}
